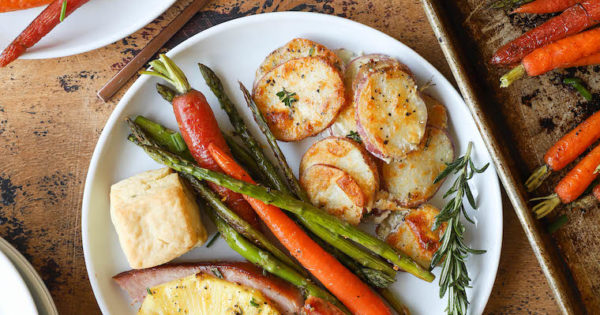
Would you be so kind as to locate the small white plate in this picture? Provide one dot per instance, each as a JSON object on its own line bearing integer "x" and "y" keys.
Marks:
{"x": 14, "y": 295}
{"x": 93, "y": 25}
{"x": 37, "y": 288}
{"x": 234, "y": 50}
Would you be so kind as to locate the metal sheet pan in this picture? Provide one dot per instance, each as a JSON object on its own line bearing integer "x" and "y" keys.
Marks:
{"x": 518, "y": 124}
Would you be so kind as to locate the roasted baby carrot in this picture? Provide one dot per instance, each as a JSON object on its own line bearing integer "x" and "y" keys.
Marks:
{"x": 198, "y": 127}
{"x": 546, "y": 6}
{"x": 13, "y": 5}
{"x": 346, "y": 286}
{"x": 555, "y": 55}
{"x": 566, "y": 150}
{"x": 585, "y": 61}
{"x": 572, "y": 21}
{"x": 572, "y": 185}
{"x": 41, "y": 26}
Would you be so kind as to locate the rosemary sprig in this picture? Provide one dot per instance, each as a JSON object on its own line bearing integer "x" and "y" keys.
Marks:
{"x": 454, "y": 278}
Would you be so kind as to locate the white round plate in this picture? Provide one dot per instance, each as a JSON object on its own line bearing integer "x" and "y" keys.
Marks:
{"x": 93, "y": 25}
{"x": 37, "y": 288}
{"x": 234, "y": 50}
{"x": 14, "y": 295}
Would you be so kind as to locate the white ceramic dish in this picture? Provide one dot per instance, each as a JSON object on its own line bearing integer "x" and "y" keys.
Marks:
{"x": 234, "y": 50}
{"x": 38, "y": 290}
{"x": 94, "y": 25}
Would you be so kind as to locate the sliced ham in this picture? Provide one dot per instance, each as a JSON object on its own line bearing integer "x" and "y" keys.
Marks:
{"x": 287, "y": 298}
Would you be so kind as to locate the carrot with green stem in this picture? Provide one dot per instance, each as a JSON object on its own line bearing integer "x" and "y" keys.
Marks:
{"x": 572, "y": 185}
{"x": 347, "y": 287}
{"x": 41, "y": 25}
{"x": 572, "y": 21}
{"x": 546, "y": 6}
{"x": 198, "y": 127}
{"x": 566, "y": 150}
{"x": 555, "y": 55}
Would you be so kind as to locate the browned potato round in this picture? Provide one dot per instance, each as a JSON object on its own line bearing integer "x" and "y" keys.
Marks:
{"x": 437, "y": 114}
{"x": 300, "y": 98}
{"x": 296, "y": 48}
{"x": 409, "y": 231}
{"x": 345, "y": 123}
{"x": 334, "y": 191}
{"x": 409, "y": 180}
{"x": 391, "y": 115}
{"x": 348, "y": 156}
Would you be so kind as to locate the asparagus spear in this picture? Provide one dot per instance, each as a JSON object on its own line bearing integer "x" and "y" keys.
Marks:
{"x": 165, "y": 137}
{"x": 268, "y": 262}
{"x": 240, "y": 127}
{"x": 285, "y": 201}
{"x": 155, "y": 137}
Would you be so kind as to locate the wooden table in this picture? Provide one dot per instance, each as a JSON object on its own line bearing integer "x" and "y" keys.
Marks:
{"x": 50, "y": 120}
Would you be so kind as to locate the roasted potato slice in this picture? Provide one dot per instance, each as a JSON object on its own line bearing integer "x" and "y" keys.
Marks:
{"x": 345, "y": 123}
{"x": 348, "y": 156}
{"x": 409, "y": 180}
{"x": 296, "y": 48}
{"x": 334, "y": 191}
{"x": 391, "y": 115}
{"x": 300, "y": 98}
{"x": 409, "y": 231}
{"x": 437, "y": 114}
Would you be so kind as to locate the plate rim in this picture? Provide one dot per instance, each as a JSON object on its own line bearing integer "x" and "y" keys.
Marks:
{"x": 25, "y": 267}
{"x": 120, "y": 107}
{"x": 98, "y": 43}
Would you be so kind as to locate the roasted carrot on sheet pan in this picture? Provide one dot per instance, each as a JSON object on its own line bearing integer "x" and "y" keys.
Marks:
{"x": 546, "y": 6}
{"x": 572, "y": 185}
{"x": 555, "y": 55}
{"x": 572, "y": 21}
{"x": 566, "y": 150}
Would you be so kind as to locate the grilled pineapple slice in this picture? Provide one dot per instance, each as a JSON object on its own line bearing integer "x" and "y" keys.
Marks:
{"x": 202, "y": 294}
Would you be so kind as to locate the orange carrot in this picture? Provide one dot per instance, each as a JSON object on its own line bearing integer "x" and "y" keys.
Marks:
{"x": 572, "y": 185}
{"x": 555, "y": 55}
{"x": 571, "y": 145}
{"x": 567, "y": 149}
{"x": 346, "y": 286}
{"x": 13, "y": 5}
{"x": 579, "y": 178}
{"x": 564, "y": 51}
{"x": 546, "y": 6}
{"x": 41, "y": 26}
{"x": 585, "y": 61}
{"x": 572, "y": 21}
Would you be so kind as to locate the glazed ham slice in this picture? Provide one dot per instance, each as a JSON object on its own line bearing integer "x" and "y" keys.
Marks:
{"x": 287, "y": 298}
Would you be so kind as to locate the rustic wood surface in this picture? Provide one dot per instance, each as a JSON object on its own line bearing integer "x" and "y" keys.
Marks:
{"x": 50, "y": 120}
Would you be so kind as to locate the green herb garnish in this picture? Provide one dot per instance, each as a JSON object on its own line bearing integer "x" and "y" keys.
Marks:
{"x": 149, "y": 291}
{"x": 253, "y": 303}
{"x": 311, "y": 51}
{"x": 354, "y": 136}
{"x": 217, "y": 273}
{"x": 557, "y": 224}
{"x": 63, "y": 10}
{"x": 213, "y": 239}
{"x": 577, "y": 83}
{"x": 287, "y": 97}
{"x": 454, "y": 277}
